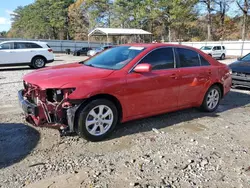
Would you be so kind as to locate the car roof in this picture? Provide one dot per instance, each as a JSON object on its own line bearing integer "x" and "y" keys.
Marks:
{"x": 38, "y": 42}
{"x": 158, "y": 45}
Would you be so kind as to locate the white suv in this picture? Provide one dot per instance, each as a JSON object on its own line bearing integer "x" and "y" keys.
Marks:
{"x": 34, "y": 54}
{"x": 215, "y": 51}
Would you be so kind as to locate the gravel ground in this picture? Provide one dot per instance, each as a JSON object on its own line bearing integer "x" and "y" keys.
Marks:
{"x": 180, "y": 149}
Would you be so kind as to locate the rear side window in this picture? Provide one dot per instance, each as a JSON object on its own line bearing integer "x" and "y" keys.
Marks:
{"x": 34, "y": 45}
{"x": 218, "y": 47}
{"x": 204, "y": 62}
{"x": 188, "y": 58}
{"x": 6, "y": 46}
{"x": 162, "y": 58}
{"x": 26, "y": 45}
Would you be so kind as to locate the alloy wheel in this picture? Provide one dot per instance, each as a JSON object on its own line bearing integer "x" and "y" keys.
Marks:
{"x": 99, "y": 120}
{"x": 213, "y": 98}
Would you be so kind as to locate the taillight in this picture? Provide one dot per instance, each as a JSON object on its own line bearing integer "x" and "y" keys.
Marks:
{"x": 50, "y": 50}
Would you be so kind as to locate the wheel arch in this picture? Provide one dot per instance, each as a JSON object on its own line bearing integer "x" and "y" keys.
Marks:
{"x": 41, "y": 56}
{"x": 220, "y": 85}
{"x": 109, "y": 97}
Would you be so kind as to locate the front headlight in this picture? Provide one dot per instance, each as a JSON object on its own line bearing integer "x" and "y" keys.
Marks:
{"x": 57, "y": 95}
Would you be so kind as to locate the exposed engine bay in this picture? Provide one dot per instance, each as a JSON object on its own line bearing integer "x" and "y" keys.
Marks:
{"x": 49, "y": 107}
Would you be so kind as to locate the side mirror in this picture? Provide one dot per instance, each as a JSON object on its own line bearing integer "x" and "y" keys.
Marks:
{"x": 143, "y": 68}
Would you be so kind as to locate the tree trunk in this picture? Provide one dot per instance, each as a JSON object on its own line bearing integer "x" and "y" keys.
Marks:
{"x": 169, "y": 33}
{"x": 209, "y": 20}
{"x": 244, "y": 27}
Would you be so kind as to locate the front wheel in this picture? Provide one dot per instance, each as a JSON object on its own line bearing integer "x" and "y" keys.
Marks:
{"x": 211, "y": 100}
{"x": 97, "y": 120}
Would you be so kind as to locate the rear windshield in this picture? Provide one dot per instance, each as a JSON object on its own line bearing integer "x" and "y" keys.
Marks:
{"x": 114, "y": 58}
{"x": 48, "y": 45}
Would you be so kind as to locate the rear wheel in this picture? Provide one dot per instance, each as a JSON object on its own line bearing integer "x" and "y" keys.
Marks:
{"x": 38, "y": 62}
{"x": 211, "y": 100}
{"x": 222, "y": 57}
{"x": 97, "y": 120}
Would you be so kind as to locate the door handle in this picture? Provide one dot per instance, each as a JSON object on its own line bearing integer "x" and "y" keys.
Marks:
{"x": 174, "y": 76}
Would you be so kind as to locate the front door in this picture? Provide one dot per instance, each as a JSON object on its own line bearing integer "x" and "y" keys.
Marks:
{"x": 6, "y": 53}
{"x": 156, "y": 91}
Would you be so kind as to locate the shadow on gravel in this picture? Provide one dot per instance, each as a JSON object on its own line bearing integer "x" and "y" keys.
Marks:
{"x": 234, "y": 99}
{"x": 16, "y": 142}
{"x": 15, "y": 68}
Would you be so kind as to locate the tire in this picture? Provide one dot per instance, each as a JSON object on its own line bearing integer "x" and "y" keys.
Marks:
{"x": 213, "y": 92}
{"x": 31, "y": 66}
{"x": 92, "y": 125}
{"x": 222, "y": 57}
{"x": 78, "y": 54}
{"x": 38, "y": 62}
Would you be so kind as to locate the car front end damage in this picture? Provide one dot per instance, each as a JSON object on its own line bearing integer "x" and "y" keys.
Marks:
{"x": 48, "y": 107}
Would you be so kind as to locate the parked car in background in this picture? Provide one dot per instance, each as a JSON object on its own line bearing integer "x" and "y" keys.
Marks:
{"x": 98, "y": 50}
{"x": 121, "y": 84}
{"x": 34, "y": 54}
{"x": 82, "y": 51}
{"x": 215, "y": 51}
{"x": 241, "y": 72}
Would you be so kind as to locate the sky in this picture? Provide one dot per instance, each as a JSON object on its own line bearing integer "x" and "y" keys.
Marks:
{"x": 6, "y": 7}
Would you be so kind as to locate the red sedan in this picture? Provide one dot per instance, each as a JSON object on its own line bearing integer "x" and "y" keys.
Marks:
{"x": 121, "y": 84}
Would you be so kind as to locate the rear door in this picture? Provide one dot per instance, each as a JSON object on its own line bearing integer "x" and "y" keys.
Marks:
{"x": 191, "y": 77}
{"x": 25, "y": 51}
{"x": 149, "y": 93}
{"x": 6, "y": 53}
{"x": 217, "y": 51}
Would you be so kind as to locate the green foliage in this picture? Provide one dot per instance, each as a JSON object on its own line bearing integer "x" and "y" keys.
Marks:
{"x": 178, "y": 20}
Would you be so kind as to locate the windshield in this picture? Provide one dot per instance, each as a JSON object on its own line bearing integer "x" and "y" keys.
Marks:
{"x": 246, "y": 58}
{"x": 206, "y": 47}
{"x": 114, "y": 58}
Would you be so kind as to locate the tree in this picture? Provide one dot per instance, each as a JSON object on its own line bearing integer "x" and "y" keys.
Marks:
{"x": 42, "y": 19}
{"x": 209, "y": 8}
{"x": 244, "y": 7}
{"x": 3, "y": 34}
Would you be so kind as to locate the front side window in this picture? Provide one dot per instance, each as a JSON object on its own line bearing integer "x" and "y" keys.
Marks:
{"x": 218, "y": 47}
{"x": 160, "y": 59}
{"x": 188, "y": 58}
{"x": 223, "y": 47}
{"x": 6, "y": 46}
{"x": 114, "y": 58}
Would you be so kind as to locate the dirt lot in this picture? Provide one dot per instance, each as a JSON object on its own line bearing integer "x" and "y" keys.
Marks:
{"x": 180, "y": 149}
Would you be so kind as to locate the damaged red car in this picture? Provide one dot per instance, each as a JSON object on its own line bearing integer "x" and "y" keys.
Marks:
{"x": 121, "y": 84}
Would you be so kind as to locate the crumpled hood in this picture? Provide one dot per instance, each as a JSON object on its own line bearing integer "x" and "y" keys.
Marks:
{"x": 57, "y": 76}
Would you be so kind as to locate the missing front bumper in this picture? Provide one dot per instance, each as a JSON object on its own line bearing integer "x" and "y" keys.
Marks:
{"x": 36, "y": 115}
